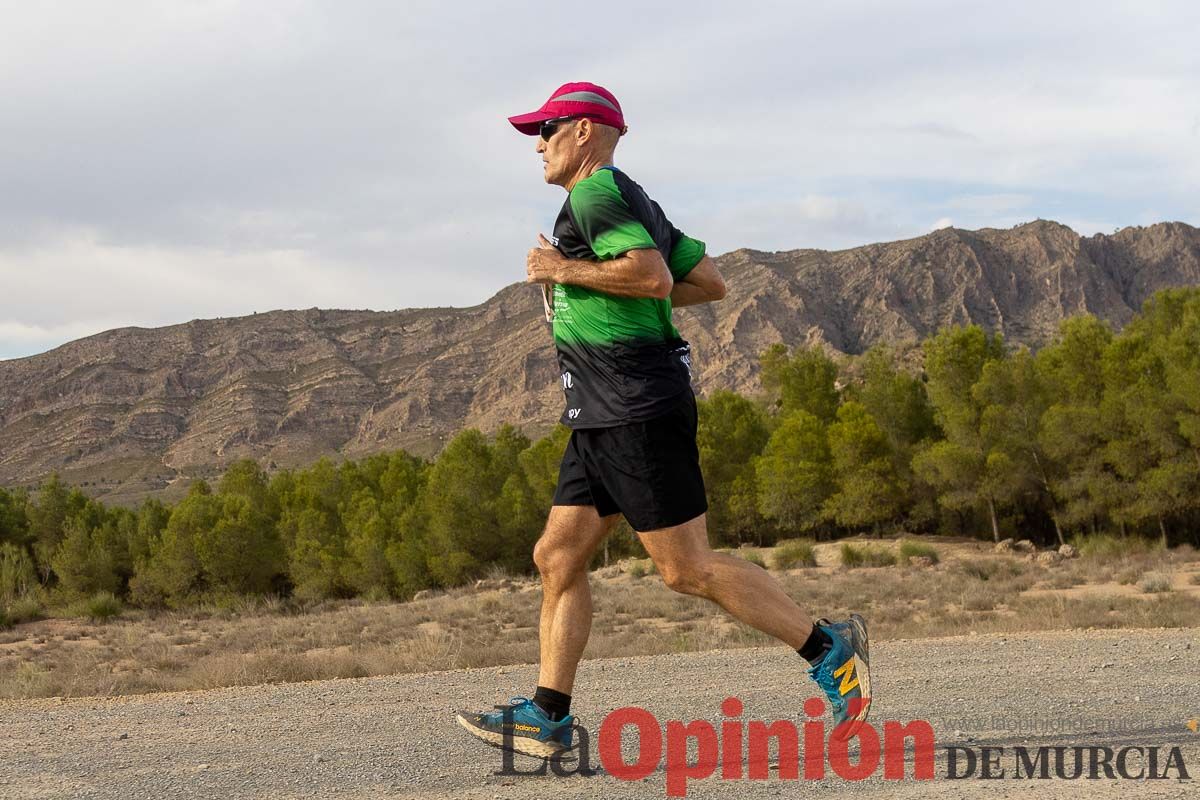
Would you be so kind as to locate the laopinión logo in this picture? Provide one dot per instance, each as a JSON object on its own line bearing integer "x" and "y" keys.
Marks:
{"x": 1067, "y": 762}
{"x": 742, "y": 751}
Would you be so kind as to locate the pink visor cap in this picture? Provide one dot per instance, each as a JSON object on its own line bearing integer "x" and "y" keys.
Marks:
{"x": 574, "y": 100}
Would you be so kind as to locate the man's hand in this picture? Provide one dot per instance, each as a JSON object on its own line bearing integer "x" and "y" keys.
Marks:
{"x": 544, "y": 263}
{"x": 703, "y": 284}
{"x": 637, "y": 273}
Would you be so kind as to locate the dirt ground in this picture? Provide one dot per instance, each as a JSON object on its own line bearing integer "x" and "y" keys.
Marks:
{"x": 394, "y": 736}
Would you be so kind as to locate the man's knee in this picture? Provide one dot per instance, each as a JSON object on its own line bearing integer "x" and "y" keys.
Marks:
{"x": 556, "y": 561}
{"x": 688, "y": 577}
{"x": 545, "y": 556}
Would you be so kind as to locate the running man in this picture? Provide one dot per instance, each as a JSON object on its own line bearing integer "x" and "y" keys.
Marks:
{"x": 617, "y": 267}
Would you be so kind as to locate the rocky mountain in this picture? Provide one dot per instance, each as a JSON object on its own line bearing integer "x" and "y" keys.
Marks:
{"x": 134, "y": 411}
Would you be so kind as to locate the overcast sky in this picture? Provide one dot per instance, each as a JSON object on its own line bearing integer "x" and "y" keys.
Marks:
{"x": 161, "y": 162}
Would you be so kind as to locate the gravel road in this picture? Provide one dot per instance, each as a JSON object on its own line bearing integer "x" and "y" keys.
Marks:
{"x": 393, "y": 737}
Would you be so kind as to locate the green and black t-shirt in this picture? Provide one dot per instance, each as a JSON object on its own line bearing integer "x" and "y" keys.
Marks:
{"x": 621, "y": 358}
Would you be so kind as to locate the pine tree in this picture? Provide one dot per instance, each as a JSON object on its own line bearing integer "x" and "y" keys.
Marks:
{"x": 732, "y": 432}
{"x": 805, "y": 380}
{"x": 82, "y": 563}
{"x": 47, "y": 517}
{"x": 14, "y": 522}
{"x": 868, "y": 490}
{"x": 241, "y": 552}
{"x": 461, "y": 501}
{"x": 1014, "y": 398}
{"x": 367, "y": 569}
{"x": 898, "y": 403}
{"x": 173, "y": 573}
{"x": 526, "y": 497}
{"x": 1071, "y": 430}
{"x": 1147, "y": 421}
{"x": 795, "y": 473}
{"x": 967, "y": 470}
{"x": 311, "y": 529}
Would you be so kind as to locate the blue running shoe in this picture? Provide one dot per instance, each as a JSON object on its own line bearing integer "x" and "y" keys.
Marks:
{"x": 522, "y": 727}
{"x": 844, "y": 674}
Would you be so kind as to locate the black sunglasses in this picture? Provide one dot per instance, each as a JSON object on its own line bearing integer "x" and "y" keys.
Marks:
{"x": 550, "y": 127}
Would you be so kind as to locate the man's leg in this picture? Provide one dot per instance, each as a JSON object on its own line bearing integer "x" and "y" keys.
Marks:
{"x": 541, "y": 726}
{"x": 562, "y": 554}
{"x": 745, "y": 590}
{"x": 837, "y": 650}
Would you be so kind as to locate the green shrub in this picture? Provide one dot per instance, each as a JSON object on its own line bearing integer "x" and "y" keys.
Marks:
{"x": 1113, "y": 547}
{"x": 25, "y": 609}
{"x": 638, "y": 569}
{"x": 1154, "y": 582}
{"x": 377, "y": 594}
{"x": 866, "y": 556}
{"x": 910, "y": 550}
{"x": 17, "y": 575}
{"x": 103, "y": 606}
{"x": 794, "y": 553}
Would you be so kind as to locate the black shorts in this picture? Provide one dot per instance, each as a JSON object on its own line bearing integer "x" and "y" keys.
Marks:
{"x": 648, "y": 471}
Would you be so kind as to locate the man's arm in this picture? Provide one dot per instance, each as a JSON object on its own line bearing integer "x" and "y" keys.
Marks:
{"x": 636, "y": 273}
{"x": 702, "y": 284}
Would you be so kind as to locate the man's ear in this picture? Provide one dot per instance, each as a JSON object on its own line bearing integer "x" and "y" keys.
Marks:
{"x": 583, "y": 132}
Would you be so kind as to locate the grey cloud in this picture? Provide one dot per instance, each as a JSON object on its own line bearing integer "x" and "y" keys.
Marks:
{"x": 307, "y": 153}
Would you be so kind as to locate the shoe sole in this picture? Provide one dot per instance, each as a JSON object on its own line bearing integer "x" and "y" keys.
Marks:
{"x": 863, "y": 671}
{"x": 517, "y": 744}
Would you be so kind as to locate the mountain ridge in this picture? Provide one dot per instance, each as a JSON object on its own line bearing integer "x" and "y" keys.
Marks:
{"x": 134, "y": 411}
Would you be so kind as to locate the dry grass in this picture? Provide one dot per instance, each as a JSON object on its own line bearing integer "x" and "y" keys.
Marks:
{"x": 1154, "y": 582}
{"x": 754, "y": 557}
{"x": 232, "y": 641}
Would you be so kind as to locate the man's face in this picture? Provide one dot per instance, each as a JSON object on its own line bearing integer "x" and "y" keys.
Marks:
{"x": 560, "y": 155}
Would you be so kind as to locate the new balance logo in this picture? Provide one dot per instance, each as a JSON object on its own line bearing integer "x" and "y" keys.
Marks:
{"x": 846, "y": 673}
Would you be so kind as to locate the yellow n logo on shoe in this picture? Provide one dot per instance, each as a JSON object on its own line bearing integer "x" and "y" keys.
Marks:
{"x": 846, "y": 673}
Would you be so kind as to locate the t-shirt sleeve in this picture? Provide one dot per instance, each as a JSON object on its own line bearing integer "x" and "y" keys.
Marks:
{"x": 606, "y": 222}
{"x": 686, "y": 253}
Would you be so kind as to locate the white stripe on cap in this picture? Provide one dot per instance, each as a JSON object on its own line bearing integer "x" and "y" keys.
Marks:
{"x": 587, "y": 97}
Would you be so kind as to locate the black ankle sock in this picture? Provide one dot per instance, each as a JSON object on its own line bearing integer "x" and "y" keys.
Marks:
{"x": 556, "y": 704}
{"x": 815, "y": 646}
